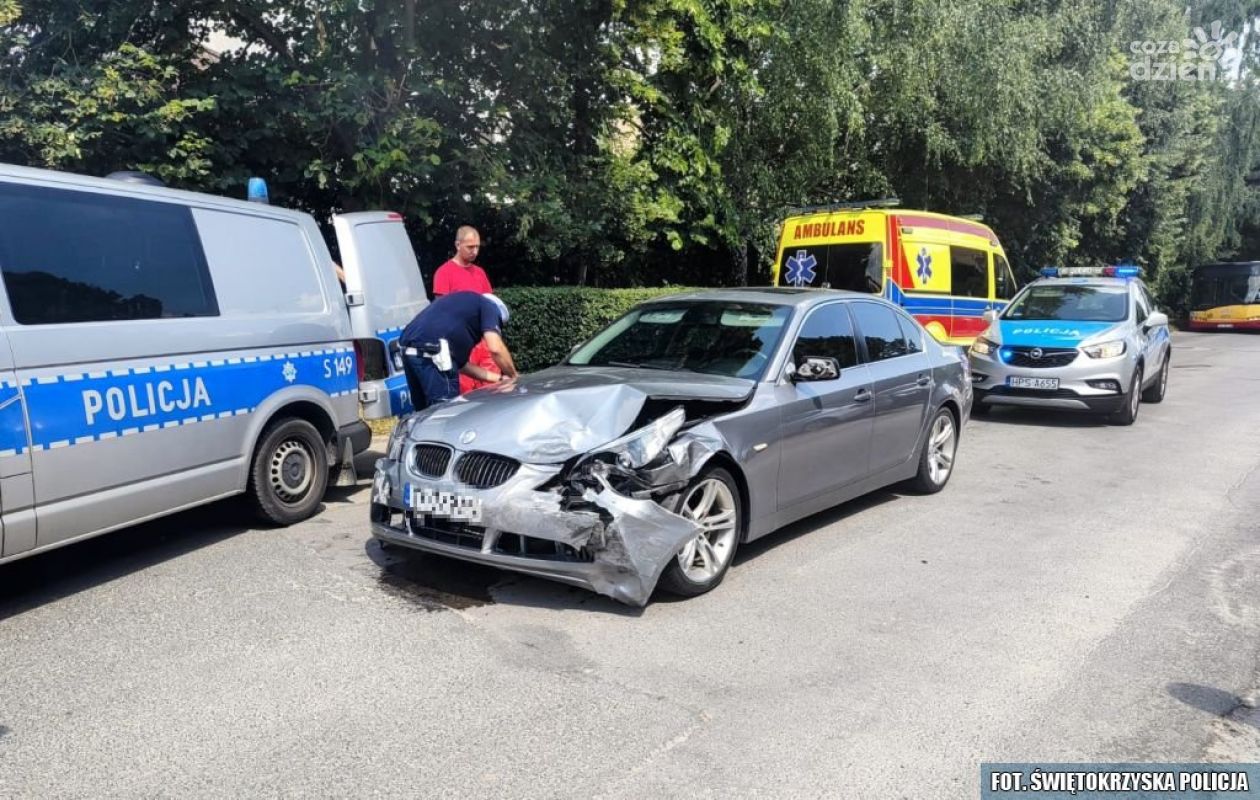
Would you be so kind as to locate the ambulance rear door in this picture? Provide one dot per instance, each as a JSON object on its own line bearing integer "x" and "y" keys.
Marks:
{"x": 384, "y": 291}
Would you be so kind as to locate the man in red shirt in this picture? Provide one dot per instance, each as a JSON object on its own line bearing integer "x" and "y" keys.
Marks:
{"x": 460, "y": 274}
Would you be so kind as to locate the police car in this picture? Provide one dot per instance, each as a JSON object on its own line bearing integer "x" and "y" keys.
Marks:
{"x": 1076, "y": 339}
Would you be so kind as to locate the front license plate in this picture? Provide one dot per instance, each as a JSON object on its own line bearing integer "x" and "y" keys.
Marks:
{"x": 1017, "y": 382}
{"x": 450, "y": 505}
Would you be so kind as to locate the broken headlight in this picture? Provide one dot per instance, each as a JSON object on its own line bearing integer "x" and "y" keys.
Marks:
{"x": 397, "y": 439}
{"x": 619, "y": 462}
{"x": 642, "y": 447}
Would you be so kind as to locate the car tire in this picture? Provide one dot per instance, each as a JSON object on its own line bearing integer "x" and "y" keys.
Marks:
{"x": 1157, "y": 390}
{"x": 1127, "y": 415}
{"x": 936, "y": 459}
{"x": 702, "y": 562}
{"x": 290, "y": 472}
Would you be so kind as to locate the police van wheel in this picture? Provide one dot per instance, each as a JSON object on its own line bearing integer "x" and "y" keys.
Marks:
{"x": 289, "y": 473}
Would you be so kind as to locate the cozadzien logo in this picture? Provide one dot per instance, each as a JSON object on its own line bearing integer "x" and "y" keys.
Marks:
{"x": 1204, "y": 55}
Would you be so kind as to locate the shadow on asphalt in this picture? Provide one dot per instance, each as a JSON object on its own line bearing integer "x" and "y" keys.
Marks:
{"x": 437, "y": 583}
{"x": 47, "y": 577}
{"x": 811, "y": 524}
{"x": 1041, "y": 418}
{"x": 29, "y": 583}
{"x": 432, "y": 582}
{"x": 1214, "y": 701}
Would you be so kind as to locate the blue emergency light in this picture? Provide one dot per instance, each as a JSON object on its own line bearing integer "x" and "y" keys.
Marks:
{"x": 1123, "y": 271}
{"x": 257, "y": 191}
{"x": 1049, "y": 272}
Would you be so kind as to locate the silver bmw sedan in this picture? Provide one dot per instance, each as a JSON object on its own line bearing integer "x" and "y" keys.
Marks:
{"x": 694, "y": 423}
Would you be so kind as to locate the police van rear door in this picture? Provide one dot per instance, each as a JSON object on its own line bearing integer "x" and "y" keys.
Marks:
{"x": 17, "y": 488}
{"x": 384, "y": 291}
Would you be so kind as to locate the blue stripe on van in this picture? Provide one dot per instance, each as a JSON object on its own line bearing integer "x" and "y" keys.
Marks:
{"x": 13, "y": 438}
{"x": 78, "y": 408}
{"x": 946, "y": 306}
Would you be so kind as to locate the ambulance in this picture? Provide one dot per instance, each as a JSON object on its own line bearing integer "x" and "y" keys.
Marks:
{"x": 945, "y": 271}
{"x": 160, "y": 349}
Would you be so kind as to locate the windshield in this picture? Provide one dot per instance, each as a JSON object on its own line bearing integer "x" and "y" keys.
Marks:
{"x": 719, "y": 338}
{"x": 1225, "y": 286}
{"x": 1076, "y": 302}
{"x": 856, "y": 267}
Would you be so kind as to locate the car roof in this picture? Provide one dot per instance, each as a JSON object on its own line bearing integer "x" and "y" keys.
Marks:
{"x": 72, "y": 180}
{"x": 770, "y": 295}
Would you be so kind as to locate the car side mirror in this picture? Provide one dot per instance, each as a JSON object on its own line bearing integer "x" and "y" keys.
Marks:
{"x": 1155, "y": 320}
{"x": 990, "y": 316}
{"x": 814, "y": 368}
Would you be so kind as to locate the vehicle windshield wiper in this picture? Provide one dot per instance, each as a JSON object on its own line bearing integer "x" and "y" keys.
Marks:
{"x": 636, "y": 366}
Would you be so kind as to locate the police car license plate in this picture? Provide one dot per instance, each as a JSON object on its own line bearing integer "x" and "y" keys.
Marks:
{"x": 1017, "y": 382}
{"x": 437, "y": 503}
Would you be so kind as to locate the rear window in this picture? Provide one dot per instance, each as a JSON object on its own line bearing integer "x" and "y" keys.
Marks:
{"x": 856, "y": 267}
{"x": 881, "y": 332}
{"x": 71, "y": 256}
{"x": 273, "y": 264}
{"x": 970, "y": 272}
{"x": 1226, "y": 285}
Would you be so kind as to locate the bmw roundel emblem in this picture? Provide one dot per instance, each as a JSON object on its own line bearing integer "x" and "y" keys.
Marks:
{"x": 1036, "y": 352}
{"x": 467, "y": 436}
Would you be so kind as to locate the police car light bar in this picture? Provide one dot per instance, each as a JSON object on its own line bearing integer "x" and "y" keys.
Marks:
{"x": 1121, "y": 271}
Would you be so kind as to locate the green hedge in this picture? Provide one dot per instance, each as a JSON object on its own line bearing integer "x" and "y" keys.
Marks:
{"x": 548, "y": 321}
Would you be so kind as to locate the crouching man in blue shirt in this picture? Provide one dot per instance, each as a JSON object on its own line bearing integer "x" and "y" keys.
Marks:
{"x": 436, "y": 344}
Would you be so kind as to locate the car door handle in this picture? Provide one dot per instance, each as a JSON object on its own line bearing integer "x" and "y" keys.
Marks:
{"x": 924, "y": 380}
{"x": 862, "y": 395}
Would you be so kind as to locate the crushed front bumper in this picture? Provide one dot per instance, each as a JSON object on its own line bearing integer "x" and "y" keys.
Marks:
{"x": 608, "y": 542}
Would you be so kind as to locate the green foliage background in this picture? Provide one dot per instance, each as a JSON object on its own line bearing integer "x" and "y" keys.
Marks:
{"x": 623, "y": 143}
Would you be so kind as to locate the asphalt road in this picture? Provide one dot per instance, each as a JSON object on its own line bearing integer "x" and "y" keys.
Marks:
{"x": 1078, "y": 592}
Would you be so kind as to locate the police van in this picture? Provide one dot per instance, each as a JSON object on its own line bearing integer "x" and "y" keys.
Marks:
{"x": 160, "y": 349}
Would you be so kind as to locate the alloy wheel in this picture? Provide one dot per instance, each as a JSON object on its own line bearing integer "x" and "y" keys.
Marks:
{"x": 942, "y": 443}
{"x": 711, "y": 504}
